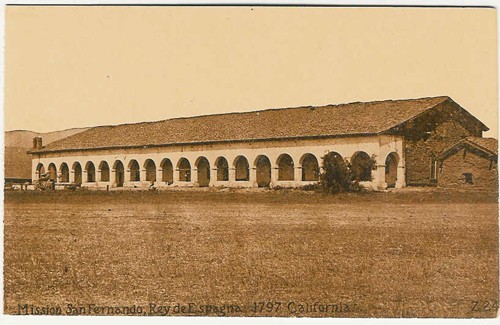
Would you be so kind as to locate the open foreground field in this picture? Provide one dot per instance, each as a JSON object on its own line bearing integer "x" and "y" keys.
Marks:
{"x": 408, "y": 253}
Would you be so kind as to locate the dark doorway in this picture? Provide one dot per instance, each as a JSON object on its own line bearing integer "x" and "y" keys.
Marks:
{"x": 391, "y": 169}
{"x": 222, "y": 169}
{"x": 167, "y": 171}
{"x": 150, "y": 170}
{"x": 203, "y": 167}
{"x": 53, "y": 172}
{"x": 285, "y": 168}
{"x": 362, "y": 166}
{"x": 310, "y": 168}
{"x": 104, "y": 167}
{"x": 242, "y": 172}
{"x": 263, "y": 166}
{"x": 119, "y": 173}
{"x": 64, "y": 173}
{"x": 184, "y": 170}
{"x": 90, "y": 168}
{"x": 135, "y": 173}
{"x": 77, "y": 170}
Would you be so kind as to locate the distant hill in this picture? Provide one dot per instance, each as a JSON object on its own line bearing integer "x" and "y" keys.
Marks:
{"x": 24, "y": 138}
{"x": 18, "y": 142}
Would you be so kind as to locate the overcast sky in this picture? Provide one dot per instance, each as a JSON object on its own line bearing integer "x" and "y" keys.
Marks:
{"x": 85, "y": 66}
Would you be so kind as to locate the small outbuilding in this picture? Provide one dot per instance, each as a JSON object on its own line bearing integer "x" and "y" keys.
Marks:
{"x": 472, "y": 161}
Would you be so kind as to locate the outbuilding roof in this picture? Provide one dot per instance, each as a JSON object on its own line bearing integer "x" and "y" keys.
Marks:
{"x": 488, "y": 146}
{"x": 359, "y": 118}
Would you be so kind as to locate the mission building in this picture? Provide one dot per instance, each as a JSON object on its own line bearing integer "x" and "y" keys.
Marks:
{"x": 411, "y": 141}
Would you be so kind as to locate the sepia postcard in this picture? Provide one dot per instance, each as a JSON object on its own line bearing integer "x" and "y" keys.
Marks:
{"x": 250, "y": 161}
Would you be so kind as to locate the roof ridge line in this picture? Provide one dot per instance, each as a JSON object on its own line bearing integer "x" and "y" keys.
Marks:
{"x": 478, "y": 144}
{"x": 270, "y": 109}
{"x": 332, "y": 122}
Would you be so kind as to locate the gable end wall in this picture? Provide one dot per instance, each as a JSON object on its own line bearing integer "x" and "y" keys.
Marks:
{"x": 420, "y": 152}
{"x": 485, "y": 172}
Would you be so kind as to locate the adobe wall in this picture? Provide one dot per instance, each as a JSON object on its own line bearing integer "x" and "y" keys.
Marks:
{"x": 419, "y": 153}
{"x": 484, "y": 173}
{"x": 379, "y": 146}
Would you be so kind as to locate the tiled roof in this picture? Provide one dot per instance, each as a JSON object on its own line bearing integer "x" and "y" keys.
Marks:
{"x": 301, "y": 122}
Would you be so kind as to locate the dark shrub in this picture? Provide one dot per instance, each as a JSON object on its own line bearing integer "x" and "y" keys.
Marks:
{"x": 339, "y": 175}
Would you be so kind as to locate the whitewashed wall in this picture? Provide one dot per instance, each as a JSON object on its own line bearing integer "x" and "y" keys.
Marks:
{"x": 378, "y": 146}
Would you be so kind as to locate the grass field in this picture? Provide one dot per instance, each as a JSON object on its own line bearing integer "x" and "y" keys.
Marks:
{"x": 408, "y": 253}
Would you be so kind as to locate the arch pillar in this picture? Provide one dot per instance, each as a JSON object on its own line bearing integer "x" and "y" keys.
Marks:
{"x": 232, "y": 175}
{"x": 112, "y": 177}
{"x": 84, "y": 176}
{"x": 71, "y": 176}
{"x": 98, "y": 175}
{"x": 126, "y": 177}
{"x": 59, "y": 176}
{"x": 400, "y": 181}
{"x": 297, "y": 175}
{"x": 213, "y": 176}
{"x": 274, "y": 176}
{"x": 194, "y": 176}
{"x": 378, "y": 177}
{"x": 177, "y": 174}
{"x": 253, "y": 176}
{"x": 142, "y": 176}
{"x": 159, "y": 177}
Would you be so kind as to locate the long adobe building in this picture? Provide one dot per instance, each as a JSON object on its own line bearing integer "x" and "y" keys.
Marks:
{"x": 266, "y": 148}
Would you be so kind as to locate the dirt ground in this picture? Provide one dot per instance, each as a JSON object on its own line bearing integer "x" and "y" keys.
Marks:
{"x": 407, "y": 253}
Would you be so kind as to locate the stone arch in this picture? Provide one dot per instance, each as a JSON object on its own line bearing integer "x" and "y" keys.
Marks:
{"x": 52, "y": 171}
{"x": 285, "y": 167}
{"x": 203, "y": 167}
{"x": 119, "y": 173}
{"x": 167, "y": 171}
{"x": 361, "y": 166}
{"x": 77, "y": 171}
{"x": 310, "y": 167}
{"x": 184, "y": 168}
{"x": 263, "y": 168}
{"x": 391, "y": 169}
{"x": 134, "y": 170}
{"x": 242, "y": 169}
{"x": 104, "y": 168}
{"x": 64, "y": 173}
{"x": 150, "y": 167}
{"x": 222, "y": 169}
{"x": 334, "y": 156}
{"x": 90, "y": 169}
{"x": 40, "y": 170}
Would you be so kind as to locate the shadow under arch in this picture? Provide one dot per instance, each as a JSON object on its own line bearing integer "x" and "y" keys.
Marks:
{"x": 119, "y": 169}
{"x": 310, "y": 167}
{"x": 285, "y": 167}
{"x": 242, "y": 169}
{"x": 263, "y": 169}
